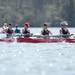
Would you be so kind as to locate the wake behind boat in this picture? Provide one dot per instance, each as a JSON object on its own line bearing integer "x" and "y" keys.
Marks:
{"x": 7, "y": 40}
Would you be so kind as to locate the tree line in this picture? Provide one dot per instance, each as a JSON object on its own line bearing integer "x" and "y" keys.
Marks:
{"x": 37, "y": 12}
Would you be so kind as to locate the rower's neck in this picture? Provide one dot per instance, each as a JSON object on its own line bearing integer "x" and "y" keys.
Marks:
{"x": 45, "y": 29}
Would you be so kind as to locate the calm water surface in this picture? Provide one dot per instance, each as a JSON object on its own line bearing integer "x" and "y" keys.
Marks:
{"x": 37, "y": 59}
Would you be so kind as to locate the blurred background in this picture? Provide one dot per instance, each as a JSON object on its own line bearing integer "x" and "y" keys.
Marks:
{"x": 37, "y": 12}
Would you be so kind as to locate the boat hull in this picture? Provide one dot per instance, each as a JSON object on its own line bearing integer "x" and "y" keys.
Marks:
{"x": 41, "y": 40}
{"x": 38, "y": 40}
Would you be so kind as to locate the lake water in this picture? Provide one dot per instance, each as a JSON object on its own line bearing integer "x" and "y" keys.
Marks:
{"x": 37, "y": 59}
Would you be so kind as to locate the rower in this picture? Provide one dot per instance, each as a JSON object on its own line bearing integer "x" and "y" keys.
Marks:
{"x": 9, "y": 31}
{"x": 17, "y": 30}
{"x": 5, "y": 27}
{"x": 25, "y": 30}
{"x": 45, "y": 31}
{"x": 64, "y": 30}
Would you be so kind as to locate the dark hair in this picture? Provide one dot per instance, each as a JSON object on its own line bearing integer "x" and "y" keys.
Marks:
{"x": 45, "y": 24}
{"x": 9, "y": 24}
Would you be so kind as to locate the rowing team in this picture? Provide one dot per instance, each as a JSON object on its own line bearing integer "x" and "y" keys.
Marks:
{"x": 7, "y": 29}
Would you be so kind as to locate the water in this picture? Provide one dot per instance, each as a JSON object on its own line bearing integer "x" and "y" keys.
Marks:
{"x": 37, "y": 59}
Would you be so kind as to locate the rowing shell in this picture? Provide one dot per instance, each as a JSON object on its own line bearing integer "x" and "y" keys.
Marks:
{"x": 47, "y": 40}
{"x": 38, "y": 40}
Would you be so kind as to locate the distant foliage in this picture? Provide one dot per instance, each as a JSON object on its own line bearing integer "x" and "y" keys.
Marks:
{"x": 37, "y": 11}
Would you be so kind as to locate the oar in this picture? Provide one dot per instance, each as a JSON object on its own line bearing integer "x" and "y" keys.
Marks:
{"x": 58, "y": 36}
{"x": 66, "y": 35}
{"x": 41, "y": 36}
{"x": 20, "y": 35}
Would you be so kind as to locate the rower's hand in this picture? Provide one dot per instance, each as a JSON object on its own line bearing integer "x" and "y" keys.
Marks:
{"x": 50, "y": 33}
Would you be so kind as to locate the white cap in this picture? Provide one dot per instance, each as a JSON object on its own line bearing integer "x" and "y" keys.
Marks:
{"x": 5, "y": 24}
{"x": 64, "y": 23}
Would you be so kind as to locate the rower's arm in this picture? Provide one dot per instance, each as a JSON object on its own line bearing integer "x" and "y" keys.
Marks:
{"x": 22, "y": 31}
{"x": 60, "y": 31}
{"x": 68, "y": 32}
{"x": 50, "y": 32}
{"x": 41, "y": 32}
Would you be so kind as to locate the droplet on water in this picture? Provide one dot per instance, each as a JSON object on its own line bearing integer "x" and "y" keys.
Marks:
{"x": 50, "y": 65}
